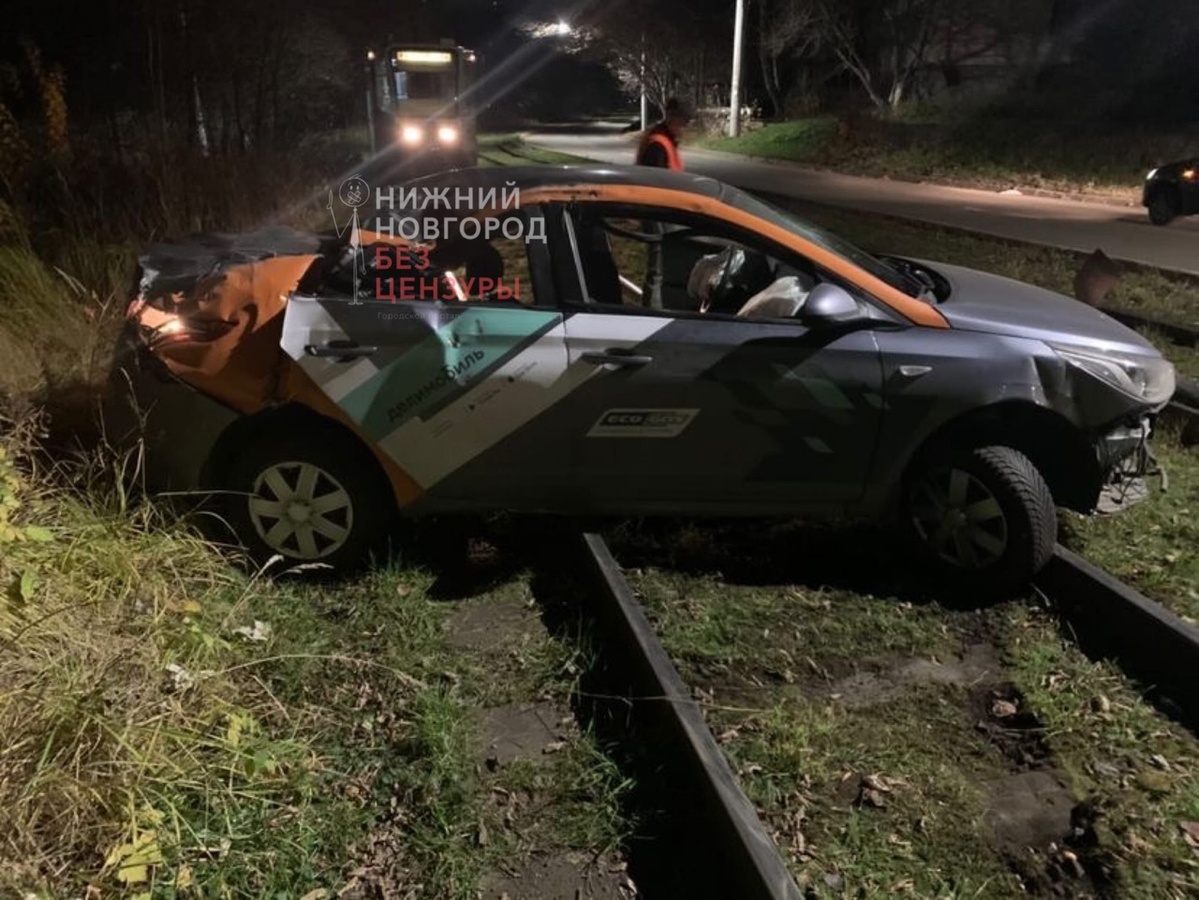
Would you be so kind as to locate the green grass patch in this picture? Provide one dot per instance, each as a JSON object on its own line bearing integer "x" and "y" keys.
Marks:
{"x": 512, "y": 150}
{"x": 1154, "y": 545}
{"x": 863, "y": 726}
{"x": 1136, "y": 771}
{"x": 168, "y": 721}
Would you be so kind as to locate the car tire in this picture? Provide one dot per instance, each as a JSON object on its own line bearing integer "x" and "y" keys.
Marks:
{"x": 314, "y": 496}
{"x": 984, "y": 518}
{"x": 1162, "y": 208}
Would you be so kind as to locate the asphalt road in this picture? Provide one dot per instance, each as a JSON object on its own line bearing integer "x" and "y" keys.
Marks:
{"x": 1121, "y": 232}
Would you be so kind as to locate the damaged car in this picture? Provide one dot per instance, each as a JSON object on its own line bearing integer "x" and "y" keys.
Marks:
{"x": 626, "y": 342}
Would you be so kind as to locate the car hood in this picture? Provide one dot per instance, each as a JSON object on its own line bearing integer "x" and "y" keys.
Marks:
{"x": 997, "y": 305}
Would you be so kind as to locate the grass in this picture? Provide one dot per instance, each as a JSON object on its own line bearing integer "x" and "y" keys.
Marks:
{"x": 169, "y": 720}
{"x": 825, "y": 681}
{"x": 511, "y": 150}
{"x": 992, "y": 151}
{"x": 1153, "y": 546}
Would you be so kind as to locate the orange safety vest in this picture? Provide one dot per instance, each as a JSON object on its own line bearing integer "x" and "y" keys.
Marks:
{"x": 673, "y": 161}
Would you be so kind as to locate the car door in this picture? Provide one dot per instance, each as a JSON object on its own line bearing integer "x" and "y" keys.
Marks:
{"x": 700, "y": 412}
{"x": 444, "y": 388}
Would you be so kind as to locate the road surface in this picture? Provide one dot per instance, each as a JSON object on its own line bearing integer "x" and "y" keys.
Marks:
{"x": 1121, "y": 232}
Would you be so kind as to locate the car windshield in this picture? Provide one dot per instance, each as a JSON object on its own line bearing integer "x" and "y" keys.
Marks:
{"x": 825, "y": 239}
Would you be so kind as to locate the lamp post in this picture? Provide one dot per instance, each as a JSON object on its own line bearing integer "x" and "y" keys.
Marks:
{"x": 735, "y": 92}
{"x": 370, "y": 100}
{"x": 644, "y": 96}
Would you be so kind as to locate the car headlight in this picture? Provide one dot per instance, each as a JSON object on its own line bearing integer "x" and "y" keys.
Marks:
{"x": 1147, "y": 378}
{"x": 411, "y": 134}
{"x": 447, "y": 134}
{"x": 1152, "y": 174}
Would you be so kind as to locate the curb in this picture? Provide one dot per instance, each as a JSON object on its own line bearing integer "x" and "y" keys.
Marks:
{"x": 751, "y": 862}
{"x": 1111, "y": 620}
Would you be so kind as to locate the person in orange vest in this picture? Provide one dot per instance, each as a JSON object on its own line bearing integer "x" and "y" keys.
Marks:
{"x": 660, "y": 145}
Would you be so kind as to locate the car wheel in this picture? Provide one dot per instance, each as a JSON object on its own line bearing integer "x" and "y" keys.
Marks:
{"x": 1162, "y": 210}
{"x": 984, "y": 517}
{"x": 313, "y": 498}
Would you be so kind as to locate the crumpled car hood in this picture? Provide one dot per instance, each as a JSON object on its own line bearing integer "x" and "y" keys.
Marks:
{"x": 177, "y": 267}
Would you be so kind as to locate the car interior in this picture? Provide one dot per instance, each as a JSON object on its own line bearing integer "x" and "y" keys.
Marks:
{"x": 701, "y": 272}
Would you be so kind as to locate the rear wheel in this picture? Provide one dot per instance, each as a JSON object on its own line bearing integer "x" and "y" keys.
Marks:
{"x": 314, "y": 497}
{"x": 1162, "y": 208}
{"x": 983, "y": 517}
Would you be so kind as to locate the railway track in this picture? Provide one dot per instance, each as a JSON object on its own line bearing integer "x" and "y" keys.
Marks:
{"x": 1107, "y": 618}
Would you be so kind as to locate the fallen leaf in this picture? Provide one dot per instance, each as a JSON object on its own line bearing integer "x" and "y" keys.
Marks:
{"x": 1003, "y": 709}
{"x": 554, "y": 747}
{"x": 1190, "y": 833}
{"x": 1160, "y": 761}
{"x": 871, "y": 797}
{"x": 876, "y": 783}
{"x": 259, "y": 633}
{"x": 318, "y": 894}
{"x": 1101, "y": 704}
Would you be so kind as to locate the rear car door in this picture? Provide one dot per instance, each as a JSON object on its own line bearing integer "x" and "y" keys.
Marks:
{"x": 711, "y": 412}
{"x": 445, "y": 388}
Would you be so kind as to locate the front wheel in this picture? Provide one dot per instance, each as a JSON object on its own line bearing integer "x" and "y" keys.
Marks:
{"x": 984, "y": 517}
{"x": 311, "y": 497}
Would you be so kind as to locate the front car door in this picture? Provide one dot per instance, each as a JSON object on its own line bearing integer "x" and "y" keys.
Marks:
{"x": 707, "y": 411}
{"x": 444, "y": 387}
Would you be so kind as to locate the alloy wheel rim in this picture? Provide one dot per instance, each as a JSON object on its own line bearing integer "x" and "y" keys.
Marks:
{"x": 959, "y": 518}
{"x": 301, "y": 511}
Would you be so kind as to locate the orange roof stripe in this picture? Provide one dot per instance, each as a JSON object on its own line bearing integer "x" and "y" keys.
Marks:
{"x": 910, "y": 308}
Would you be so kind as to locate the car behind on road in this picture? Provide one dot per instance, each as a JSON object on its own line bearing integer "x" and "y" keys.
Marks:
{"x": 1171, "y": 191}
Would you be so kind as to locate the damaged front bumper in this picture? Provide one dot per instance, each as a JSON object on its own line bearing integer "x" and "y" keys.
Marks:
{"x": 1128, "y": 463}
{"x": 172, "y": 426}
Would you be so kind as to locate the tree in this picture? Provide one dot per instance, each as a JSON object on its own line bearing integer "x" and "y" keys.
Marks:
{"x": 656, "y": 44}
{"x": 883, "y": 44}
{"x": 789, "y": 31}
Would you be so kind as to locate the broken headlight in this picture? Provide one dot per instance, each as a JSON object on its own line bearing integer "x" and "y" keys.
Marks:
{"x": 1147, "y": 378}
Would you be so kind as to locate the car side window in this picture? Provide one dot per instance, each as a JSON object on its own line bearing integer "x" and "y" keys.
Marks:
{"x": 654, "y": 260}
{"x": 488, "y": 264}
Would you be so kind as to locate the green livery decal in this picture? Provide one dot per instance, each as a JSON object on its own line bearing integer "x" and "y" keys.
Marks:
{"x": 443, "y": 365}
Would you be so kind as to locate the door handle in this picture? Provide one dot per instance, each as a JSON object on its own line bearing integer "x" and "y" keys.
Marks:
{"x": 342, "y": 351}
{"x": 616, "y": 357}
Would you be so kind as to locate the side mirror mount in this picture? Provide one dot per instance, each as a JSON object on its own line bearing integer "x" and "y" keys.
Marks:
{"x": 829, "y": 304}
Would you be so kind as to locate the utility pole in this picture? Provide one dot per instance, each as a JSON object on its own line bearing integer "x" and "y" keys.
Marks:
{"x": 370, "y": 101}
{"x": 735, "y": 98}
{"x": 644, "y": 96}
